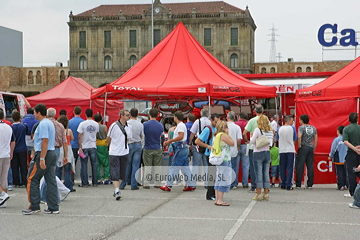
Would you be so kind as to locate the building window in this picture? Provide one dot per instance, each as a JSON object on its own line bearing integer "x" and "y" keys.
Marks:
{"x": 263, "y": 70}
{"x": 298, "y": 69}
{"x": 234, "y": 61}
{"x": 308, "y": 69}
{"x": 108, "y": 62}
{"x": 83, "y": 64}
{"x": 272, "y": 70}
{"x": 107, "y": 39}
{"x": 234, "y": 37}
{"x": 38, "y": 77}
{"x": 207, "y": 36}
{"x": 133, "y": 60}
{"x": 157, "y": 37}
{"x": 82, "y": 43}
{"x": 30, "y": 77}
{"x": 132, "y": 38}
{"x": 62, "y": 76}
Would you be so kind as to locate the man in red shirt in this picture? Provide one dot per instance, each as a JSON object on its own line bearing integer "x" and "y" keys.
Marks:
{"x": 244, "y": 157}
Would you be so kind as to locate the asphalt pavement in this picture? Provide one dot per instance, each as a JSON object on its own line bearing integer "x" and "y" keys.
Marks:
{"x": 93, "y": 213}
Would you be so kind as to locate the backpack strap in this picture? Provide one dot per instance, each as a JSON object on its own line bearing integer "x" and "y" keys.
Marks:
{"x": 210, "y": 135}
{"x": 122, "y": 128}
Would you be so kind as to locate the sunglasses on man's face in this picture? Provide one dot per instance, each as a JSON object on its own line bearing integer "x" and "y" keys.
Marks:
{"x": 127, "y": 115}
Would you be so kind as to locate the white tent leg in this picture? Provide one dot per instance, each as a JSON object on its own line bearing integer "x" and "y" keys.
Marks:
{"x": 104, "y": 118}
{"x": 276, "y": 106}
{"x": 209, "y": 106}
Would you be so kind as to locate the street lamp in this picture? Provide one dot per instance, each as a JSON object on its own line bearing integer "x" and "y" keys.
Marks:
{"x": 152, "y": 24}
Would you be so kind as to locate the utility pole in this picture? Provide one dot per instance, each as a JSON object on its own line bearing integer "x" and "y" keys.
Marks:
{"x": 273, "y": 41}
{"x": 279, "y": 57}
{"x": 152, "y": 24}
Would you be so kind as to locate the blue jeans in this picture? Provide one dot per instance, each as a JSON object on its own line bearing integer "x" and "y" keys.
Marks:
{"x": 68, "y": 182}
{"x": 357, "y": 196}
{"x": 223, "y": 176}
{"x": 10, "y": 177}
{"x": 252, "y": 169}
{"x": 235, "y": 167}
{"x": 132, "y": 165}
{"x": 262, "y": 161}
{"x": 180, "y": 162}
{"x": 197, "y": 160}
{"x": 90, "y": 153}
{"x": 245, "y": 164}
{"x": 286, "y": 169}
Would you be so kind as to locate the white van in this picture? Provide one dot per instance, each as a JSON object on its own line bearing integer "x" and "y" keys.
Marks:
{"x": 13, "y": 101}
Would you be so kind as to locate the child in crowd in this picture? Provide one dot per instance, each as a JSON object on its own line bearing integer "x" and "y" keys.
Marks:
{"x": 337, "y": 154}
{"x": 275, "y": 162}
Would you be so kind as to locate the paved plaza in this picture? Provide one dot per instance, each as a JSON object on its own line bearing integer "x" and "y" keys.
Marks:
{"x": 92, "y": 213}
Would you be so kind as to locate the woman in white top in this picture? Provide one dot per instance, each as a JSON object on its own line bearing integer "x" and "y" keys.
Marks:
{"x": 262, "y": 158}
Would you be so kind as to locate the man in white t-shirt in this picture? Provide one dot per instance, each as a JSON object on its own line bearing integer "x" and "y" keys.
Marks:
{"x": 274, "y": 123}
{"x": 87, "y": 148}
{"x": 7, "y": 145}
{"x": 286, "y": 135}
{"x": 118, "y": 136}
{"x": 236, "y": 135}
{"x": 135, "y": 149}
{"x": 181, "y": 152}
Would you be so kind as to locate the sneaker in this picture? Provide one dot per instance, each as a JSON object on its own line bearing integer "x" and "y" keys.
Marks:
{"x": 100, "y": 182}
{"x": 298, "y": 188}
{"x": 4, "y": 198}
{"x": 347, "y": 195}
{"x": 64, "y": 196}
{"x": 122, "y": 188}
{"x": 29, "y": 211}
{"x": 251, "y": 190}
{"x": 342, "y": 189}
{"x": 210, "y": 198}
{"x": 352, "y": 205}
{"x": 189, "y": 189}
{"x": 165, "y": 188}
{"x": 73, "y": 190}
{"x": 51, "y": 212}
{"x": 3, "y": 206}
{"x": 272, "y": 185}
{"x": 137, "y": 188}
{"x": 42, "y": 202}
{"x": 10, "y": 188}
{"x": 94, "y": 185}
{"x": 289, "y": 188}
{"x": 107, "y": 182}
{"x": 235, "y": 187}
{"x": 307, "y": 187}
{"x": 117, "y": 196}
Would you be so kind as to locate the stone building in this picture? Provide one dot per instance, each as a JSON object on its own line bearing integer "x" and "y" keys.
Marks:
{"x": 108, "y": 40}
{"x": 293, "y": 67}
{"x": 30, "y": 81}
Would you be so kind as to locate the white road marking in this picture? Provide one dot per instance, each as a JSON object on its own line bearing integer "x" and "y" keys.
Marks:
{"x": 240, "y": 221}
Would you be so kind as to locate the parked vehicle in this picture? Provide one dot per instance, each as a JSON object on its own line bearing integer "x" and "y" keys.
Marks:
{"x": 13, "y": 101}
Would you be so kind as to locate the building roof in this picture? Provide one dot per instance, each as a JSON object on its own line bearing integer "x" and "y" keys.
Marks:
{"x": 176, "y": 8}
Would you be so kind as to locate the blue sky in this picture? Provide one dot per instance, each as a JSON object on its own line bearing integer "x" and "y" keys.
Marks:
{"x": 46, "y": 33}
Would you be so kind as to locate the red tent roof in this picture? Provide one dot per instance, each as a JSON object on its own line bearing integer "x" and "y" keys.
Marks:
{"x": 344, "y": 84}
{"x": 179, "y": 67}
{"x": 72, "y": 89}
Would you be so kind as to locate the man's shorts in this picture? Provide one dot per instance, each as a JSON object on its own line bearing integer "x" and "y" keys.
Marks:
{"x": 118, "y": 166}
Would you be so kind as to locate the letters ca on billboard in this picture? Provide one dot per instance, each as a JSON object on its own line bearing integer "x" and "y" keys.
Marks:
{"x": 347, "y": 36}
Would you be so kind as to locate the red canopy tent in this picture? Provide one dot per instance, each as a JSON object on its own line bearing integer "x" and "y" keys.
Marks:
{"x": 328, "y": 105}
{"x": 74, "y": 92}
{"x": 180, "y": 68}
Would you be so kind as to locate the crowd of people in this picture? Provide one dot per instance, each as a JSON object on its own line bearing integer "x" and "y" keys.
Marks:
{"x": 38, "y": 150}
